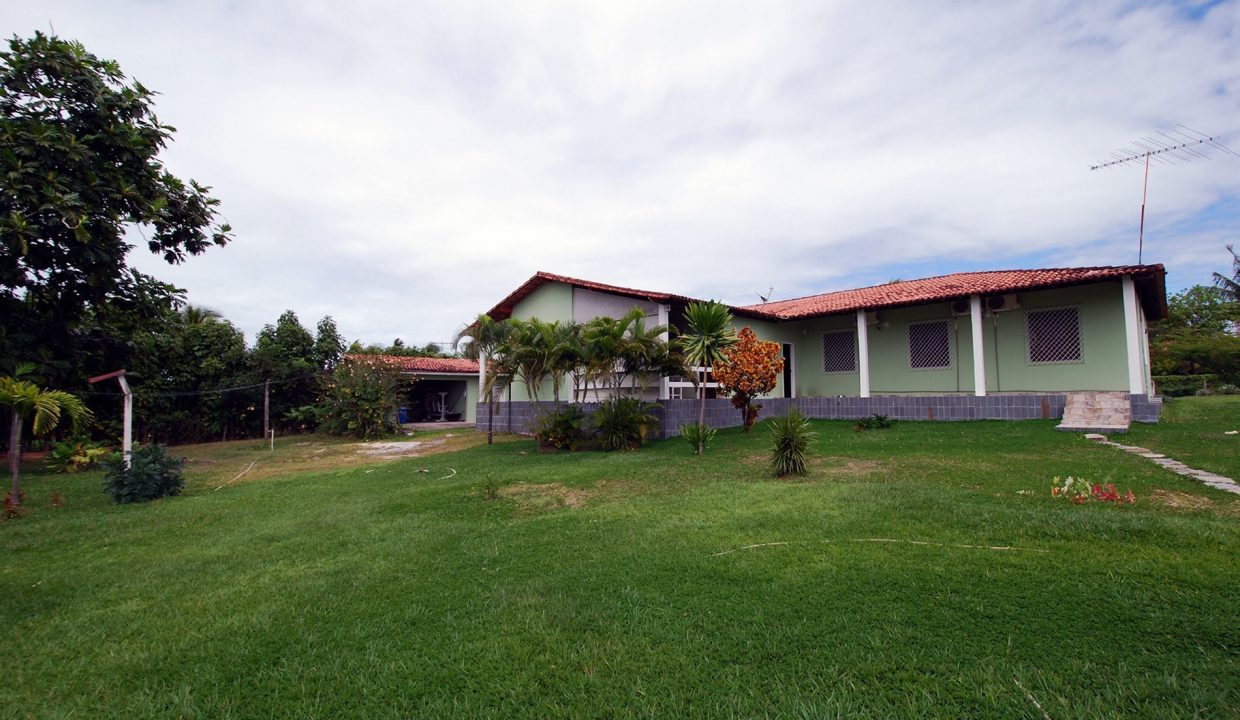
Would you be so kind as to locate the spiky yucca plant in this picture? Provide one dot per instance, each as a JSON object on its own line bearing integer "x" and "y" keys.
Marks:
{"x": 791, "y": 436}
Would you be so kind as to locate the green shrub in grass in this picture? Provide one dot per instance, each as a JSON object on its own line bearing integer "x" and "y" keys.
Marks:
{"x": 622, "y": 423}
{"x": 791, "y": 436}
{"x": 151, "y": 475}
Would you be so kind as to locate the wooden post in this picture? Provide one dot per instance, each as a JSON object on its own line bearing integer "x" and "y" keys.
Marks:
{"x": 267, "y": 407}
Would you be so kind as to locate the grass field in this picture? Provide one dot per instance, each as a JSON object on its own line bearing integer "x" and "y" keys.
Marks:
{"x": 506, "y": 583}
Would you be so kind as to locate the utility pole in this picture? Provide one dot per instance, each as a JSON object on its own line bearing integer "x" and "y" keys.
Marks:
{"x": 267, "y": 408}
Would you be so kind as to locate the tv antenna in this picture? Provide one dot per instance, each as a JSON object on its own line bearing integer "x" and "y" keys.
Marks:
{"x": 765, "y": 298}
{"x": 1183, "y": 145}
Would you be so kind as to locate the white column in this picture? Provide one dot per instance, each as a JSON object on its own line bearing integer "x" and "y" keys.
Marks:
{"x": 1132, "y": 332}
{"x": 979, "y": 354}
{"x": 127, "y": 420}
{"x": 863, "y": 353}
{"x": 482, "y": 377}
{"x": 664, "y": 314}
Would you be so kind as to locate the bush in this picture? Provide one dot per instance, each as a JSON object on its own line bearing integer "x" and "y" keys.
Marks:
{"x": 359, "y": 399}
{"x": 152, "y": 475}
{"x": 697, "y": 435}
{"x": 791, "y": 436}
{"x": 75, "y": 454}
{"x": 622, "y": 423}
{"x": 873, "y": 422}
{"x": 1181, "y": 385}
{"x": 562, "y": 429}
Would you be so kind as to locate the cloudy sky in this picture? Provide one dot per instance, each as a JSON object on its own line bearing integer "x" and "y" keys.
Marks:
{"x": 402, "y": 166}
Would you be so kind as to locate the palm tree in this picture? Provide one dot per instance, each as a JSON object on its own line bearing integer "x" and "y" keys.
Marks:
{"x": 644, "y": 349}
{"x": 602, "y": 338}
{"x": 709, "y": 332}
{"x": 1230, "y": 285}
{"x": 25, "y": 399}
{"x": 197, "y": 315}
{"x": 487, "y": 337}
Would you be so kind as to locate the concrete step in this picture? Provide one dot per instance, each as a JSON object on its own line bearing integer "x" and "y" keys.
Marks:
{"x": 1096, "y": 412}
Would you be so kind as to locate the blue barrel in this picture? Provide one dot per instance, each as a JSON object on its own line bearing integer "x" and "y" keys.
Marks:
{"x": 402, "y": 415}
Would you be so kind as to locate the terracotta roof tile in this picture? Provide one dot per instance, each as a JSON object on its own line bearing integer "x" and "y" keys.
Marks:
{"x": 503, "y": 310}
{"x": 427, "y": 364}
{"x": 947, "y": 287}
{"x": 907, "y": 292}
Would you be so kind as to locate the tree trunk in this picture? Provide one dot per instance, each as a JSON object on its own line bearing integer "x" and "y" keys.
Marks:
{"x": 491, "y": 416}
{"x": 702, "y": 415}
{"x": 15, "y": 457}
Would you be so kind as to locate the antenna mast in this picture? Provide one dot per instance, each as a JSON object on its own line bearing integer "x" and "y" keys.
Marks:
{"x": 1185, "y": 145}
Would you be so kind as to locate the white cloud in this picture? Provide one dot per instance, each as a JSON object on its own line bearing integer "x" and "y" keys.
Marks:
{"x": 402, "y": 167}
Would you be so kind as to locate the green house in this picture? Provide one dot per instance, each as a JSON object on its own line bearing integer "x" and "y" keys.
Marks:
{"x": 1006, "y": 344}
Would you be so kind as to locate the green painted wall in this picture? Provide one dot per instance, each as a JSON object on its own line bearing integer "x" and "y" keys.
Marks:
{"x": 549, "y": 303}
{"x": 889, "y": 355}
{"x": 1007, "y": 369}
{"x": 811, "y": 380}
{"x": 471, "y": 399}
{"x": 1105, "y": 366}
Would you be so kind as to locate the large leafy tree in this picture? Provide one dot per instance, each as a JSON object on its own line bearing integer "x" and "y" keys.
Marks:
{"x": 79, "y": 155}
{"x": 708, "y": 334}
{"x": 1197, "y": 338}
{"x": 44, "y": 409}
{"x": 747, "y": 370}
{"x": 285, "y": 354}
{"x": 181, "y": 370}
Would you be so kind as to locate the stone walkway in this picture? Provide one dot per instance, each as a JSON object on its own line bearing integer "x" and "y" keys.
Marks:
{"x": 1215, "y": 481}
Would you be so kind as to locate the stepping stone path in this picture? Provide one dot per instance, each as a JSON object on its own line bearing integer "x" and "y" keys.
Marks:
{"x": 1175, "y": 466}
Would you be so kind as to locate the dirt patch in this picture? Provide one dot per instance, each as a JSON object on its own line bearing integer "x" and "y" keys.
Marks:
{"x": 1185, "y": 501}
{"x": 547, "y": 495}
{"x": 404, "y": 448}
{"x": 819, "y": 468}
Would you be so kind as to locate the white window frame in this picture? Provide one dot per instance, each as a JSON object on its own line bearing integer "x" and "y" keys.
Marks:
{"x": 1080, "y": 337}
{"x": 908, "y": 346}
{"x": 852, "y": 334}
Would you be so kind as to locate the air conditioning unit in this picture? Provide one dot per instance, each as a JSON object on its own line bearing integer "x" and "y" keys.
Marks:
{"x": 1002, "y": 303}
{"x": 871, "y": 318}
{"x": 960, "y": 307}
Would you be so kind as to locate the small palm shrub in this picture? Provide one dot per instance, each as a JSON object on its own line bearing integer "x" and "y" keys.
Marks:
{"x": 151, "y": 475}
{"x": 622, "y": 423}
{"x": 873, "y": 422}
{"x": 791, "y": 436}
{"x": 698, "y": 436}
{"x": 562, "y": 429}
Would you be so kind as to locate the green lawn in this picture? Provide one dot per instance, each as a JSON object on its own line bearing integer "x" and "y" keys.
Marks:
{"x": 1192, "y": 432}
{"x": 593, "y": 585}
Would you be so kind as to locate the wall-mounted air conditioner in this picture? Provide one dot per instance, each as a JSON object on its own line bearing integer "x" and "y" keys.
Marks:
{"x": 960, "y": 307}
{"x": 1002, "y": 303}
{"x": 871, "y": 318}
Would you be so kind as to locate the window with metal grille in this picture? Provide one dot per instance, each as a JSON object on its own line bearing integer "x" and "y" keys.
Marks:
{"x": 1054, "y": 335}
{"x": 839, "y": 352}
{"x": 929, "y": 346}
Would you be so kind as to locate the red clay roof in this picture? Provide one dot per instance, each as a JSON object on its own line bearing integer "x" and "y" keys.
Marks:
{"x": 427, "y": 364}
{"x": 1150, "y": 287}
{"x": 949, "y": 287}
{"x": 503, "y": 310}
